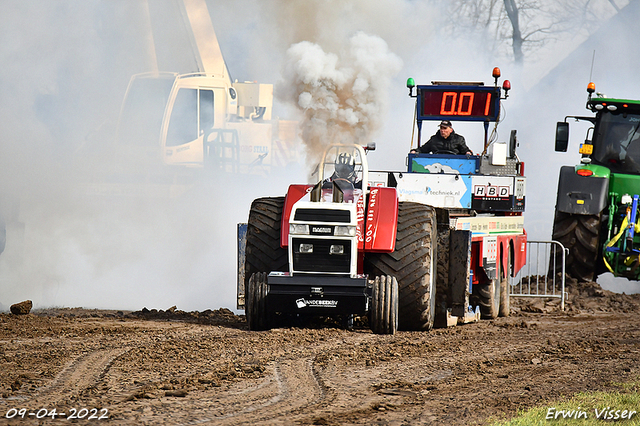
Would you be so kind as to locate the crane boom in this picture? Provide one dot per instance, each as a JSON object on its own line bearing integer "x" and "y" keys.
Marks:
{"x": 204, "y": 41}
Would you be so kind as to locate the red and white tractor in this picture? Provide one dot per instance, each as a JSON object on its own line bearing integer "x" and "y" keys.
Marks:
{"x": 409, "y": 249}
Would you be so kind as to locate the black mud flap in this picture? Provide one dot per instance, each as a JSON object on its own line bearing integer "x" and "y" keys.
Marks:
{"x": 443, "y": 289}
{"x": 459, "y": 272}
{"x": 454, "y": 277}
{"x": 579, "y": 194}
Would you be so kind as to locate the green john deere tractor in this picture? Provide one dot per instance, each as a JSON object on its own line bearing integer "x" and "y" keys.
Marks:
{"x": 596, "y": 214}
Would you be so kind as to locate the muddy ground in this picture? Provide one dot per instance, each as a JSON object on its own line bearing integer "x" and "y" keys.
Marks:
{"x": 174, "y": 367}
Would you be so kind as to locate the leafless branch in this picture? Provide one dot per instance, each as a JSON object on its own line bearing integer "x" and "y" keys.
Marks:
{"x": 523, "y": 26}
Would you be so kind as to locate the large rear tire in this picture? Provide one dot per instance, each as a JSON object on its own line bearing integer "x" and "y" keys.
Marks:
{"x": 580, "y": 234}
{"x": 384, "y": 306}
{"x": 412, "y": 264}
{"x": 256, "y": 302}
{"x": 263, "y": 252}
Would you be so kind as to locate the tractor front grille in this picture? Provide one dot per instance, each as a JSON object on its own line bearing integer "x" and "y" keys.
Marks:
{"x": 323, "y": 215}
{"x": 321, "y": 260}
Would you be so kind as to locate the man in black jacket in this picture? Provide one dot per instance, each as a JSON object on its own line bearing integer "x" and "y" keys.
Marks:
{"x": 445, "y": 141}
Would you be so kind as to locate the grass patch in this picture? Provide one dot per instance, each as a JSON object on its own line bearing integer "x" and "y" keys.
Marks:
{"x": 585, "y": 408}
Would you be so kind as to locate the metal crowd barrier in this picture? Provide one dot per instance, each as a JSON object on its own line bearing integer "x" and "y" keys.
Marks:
{"x": 538, "y": 278}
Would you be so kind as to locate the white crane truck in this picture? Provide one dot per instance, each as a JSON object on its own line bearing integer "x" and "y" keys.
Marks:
{"x": 200, "y": 119}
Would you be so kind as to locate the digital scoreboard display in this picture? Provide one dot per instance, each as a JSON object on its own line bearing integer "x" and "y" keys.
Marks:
{"x": 469, "y": 103}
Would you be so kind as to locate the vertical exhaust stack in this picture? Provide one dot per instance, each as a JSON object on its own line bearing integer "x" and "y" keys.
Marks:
{"x": 338, "y": 194}
{"x": 316, "y": 193}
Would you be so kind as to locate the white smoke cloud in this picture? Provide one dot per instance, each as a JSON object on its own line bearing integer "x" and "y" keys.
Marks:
{"x": 343, "y": 98}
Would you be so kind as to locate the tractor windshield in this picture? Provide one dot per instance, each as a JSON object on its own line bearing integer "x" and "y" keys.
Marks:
{"x": 617, "y": 142}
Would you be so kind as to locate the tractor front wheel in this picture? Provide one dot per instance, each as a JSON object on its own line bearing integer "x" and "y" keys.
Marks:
{"x": 489, "y": 298}
{"x": 384, "y": 305}
{"x": 256, "y": 302}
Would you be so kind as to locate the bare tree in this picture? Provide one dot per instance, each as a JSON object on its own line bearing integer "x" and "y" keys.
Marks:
{"x": 614, "y": 5}
{"x": 517, "y": 28}
{"x": 516, "y": 37}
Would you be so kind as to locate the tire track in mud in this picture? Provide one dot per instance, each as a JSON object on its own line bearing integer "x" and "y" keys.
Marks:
{"x": 294, "y": 390}
{"x": 292, "y": 387}
{"x": 79, "y": 374}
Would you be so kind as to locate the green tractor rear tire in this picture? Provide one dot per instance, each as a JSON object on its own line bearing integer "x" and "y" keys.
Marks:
{"x": 580, "y": 234}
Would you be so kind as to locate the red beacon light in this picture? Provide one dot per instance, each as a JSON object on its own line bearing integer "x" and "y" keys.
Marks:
{"x": 506, "y": 86}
